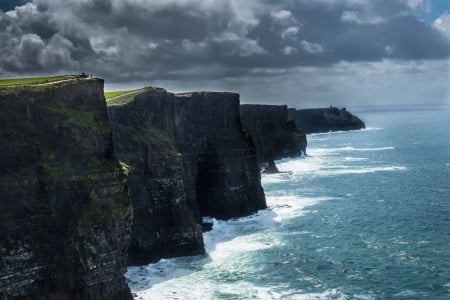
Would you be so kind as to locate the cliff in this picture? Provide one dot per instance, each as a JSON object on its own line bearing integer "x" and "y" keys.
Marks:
{"x": 325, "y": 119}
{"x": 64, "y": 211}
{"x": 188, "y": 158}
{"x": 164, "y": 225}
{"x": 274, "y": 137}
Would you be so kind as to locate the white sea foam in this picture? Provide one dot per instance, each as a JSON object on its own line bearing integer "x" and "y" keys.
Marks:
{"x": 372, "y": 129}
{"x": 346, "y": 170}
{"x": 228, "y": 238}
{"x": 318, "y": 166}
{"x": 355, "y": 158}
{"x": 226, "y": 246}
{"x": 344, "y": 131}
{"x": 406, "y": 293}
{"x": 365, "y": 296}
{"x": 300, "y": 166}
{"x": 288, "y": 207}
{"x": 300, "y": 295}
{"x": 205, "y": 289}
{"x": 349, "y": 148}
{"x": 313, "y": 135}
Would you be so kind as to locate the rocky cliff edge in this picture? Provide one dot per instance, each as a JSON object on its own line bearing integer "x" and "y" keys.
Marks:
{"x": 64, "y": 211}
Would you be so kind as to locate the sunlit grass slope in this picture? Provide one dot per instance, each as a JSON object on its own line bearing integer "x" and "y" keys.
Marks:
{"x": 33, "y": 80}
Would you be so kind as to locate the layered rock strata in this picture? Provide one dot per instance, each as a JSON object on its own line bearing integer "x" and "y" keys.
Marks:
{"x": 188, "y": 158}
{"x": 64, "y": 210}
{"x": 273, "y": 135}
{"x": 325, "y": 119}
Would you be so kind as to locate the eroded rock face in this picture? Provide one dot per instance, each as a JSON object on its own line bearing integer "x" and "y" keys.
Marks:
{"x": 65, "y": 214}
{"x": 274, "y": 137}
{"x": 221, "y": 169}
{"x": 325, "y": 120}
{"x": 188, "y": 158}
{"x": 164, "y": 225}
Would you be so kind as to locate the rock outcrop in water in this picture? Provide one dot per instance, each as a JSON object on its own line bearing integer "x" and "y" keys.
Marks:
{"x": 325, "y": 119}
{"x": 64, "y": 211}
{"x": 273, "y": 135}
{"x": 188, "y": 158}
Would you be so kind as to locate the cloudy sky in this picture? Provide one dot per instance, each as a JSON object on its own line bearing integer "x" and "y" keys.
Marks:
{"x": 305, "y": 53}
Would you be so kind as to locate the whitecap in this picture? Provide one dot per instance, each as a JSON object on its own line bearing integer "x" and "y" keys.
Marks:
{"x": 365, "y": 296}
{"x": 349, "y": 148}
{"x": 406, "y": 293}
{"x": 356, "y": 170}
{"x": 399, "y": 241}
{"x": 355, "y": 158}
{"x": 300, "y": 295}
{"x": 327, "y": 152}
{"x": 288, "y": 207}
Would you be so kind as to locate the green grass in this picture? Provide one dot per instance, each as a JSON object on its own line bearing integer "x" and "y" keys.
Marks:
{"x": 114, "y": 94}
{"x": 123, "y": 97}
{"x": 34, "y": 80}
{"x": 157, "y": 141}
{"x": 84, "y": 119}
{"x": 79, "y": 118}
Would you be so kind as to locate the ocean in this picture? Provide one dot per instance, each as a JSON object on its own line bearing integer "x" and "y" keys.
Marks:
{"x": 366, "y": 215}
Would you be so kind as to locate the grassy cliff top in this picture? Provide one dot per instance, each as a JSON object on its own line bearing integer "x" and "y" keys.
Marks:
{"x": 124, "y": 97}
{"x": 34, "y": 80}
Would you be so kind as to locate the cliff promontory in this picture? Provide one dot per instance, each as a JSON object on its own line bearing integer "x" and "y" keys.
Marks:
{"x": 325, "y": 119}
{"x": 273, "y": 135}
{"x": 188, "y": 158}
{"x": 64, "y": 210}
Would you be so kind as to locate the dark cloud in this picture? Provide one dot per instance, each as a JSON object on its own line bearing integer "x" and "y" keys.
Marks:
{"x": 7, "y": 5}
{"x": 174, "y": 39}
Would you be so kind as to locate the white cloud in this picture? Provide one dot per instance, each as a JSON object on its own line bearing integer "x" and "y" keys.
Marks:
{"x": 423, "y": 5}
{"x": 291, "y": 31}
{"x": 281, "y": 15}
{"x": 389, "y": 50}
{"x": 443, "y": 24}
{"x": 311, "y": 47}
{"x": 288, "y": 50}
{"x": 353, "y": 16}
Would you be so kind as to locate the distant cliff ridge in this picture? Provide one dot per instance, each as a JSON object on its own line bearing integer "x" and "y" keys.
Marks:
{"x": 65, "y": 214}
{"x": 272, "y": 134}
{"x": 324, "y": 119}
{"x": 188, "y": 158}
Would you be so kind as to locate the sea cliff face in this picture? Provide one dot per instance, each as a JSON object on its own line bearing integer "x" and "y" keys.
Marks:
{"x": 164, "y": 225}
{"x": 325, "y": 119}
{"x": 273, "y": 135}
{"x": 64, "y": 211}
{"x": 192, "y": 147}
